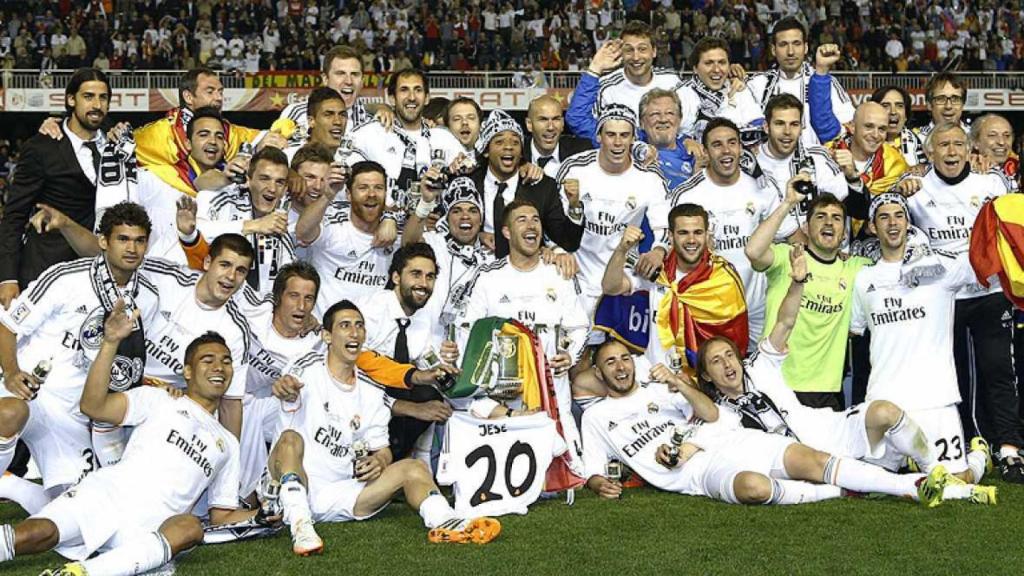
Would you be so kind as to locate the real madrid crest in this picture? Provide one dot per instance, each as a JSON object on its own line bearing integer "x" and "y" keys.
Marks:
{"x": 631, "y": 202}
{"x": 750, "y": 208}
{"x": 220, "y": 444}
{"x": 975, "y": 201}
{"x": 91, "y": 332}
{"x": 652, "y": 408}
{"x": 552, "y": 295}
{"x": 355, "y": 422}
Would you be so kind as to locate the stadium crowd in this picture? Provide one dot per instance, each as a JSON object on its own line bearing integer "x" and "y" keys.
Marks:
{"x": 253, "y": 35}
{"x": 737, "y": 286}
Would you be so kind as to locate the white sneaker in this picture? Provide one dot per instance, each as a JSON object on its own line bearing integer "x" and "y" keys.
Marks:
{"x": 305, "y": 540}
{"x": 165, "y": 570}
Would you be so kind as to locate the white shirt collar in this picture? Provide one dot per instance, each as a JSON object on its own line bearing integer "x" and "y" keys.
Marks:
{"x": 490, "y": 181}
{"x": 536, "y": 154}
{"x": 77, "y": 143}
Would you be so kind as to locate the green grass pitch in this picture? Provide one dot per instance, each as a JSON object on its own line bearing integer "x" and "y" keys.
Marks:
{"x": 648, "y": 532}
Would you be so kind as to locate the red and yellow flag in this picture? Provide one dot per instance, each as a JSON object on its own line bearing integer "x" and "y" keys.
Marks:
{"x": 997, "y": 245}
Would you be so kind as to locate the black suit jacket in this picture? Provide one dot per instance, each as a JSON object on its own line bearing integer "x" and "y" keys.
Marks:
{"x": 544, "y": 195}
{"x": 567, "y": 146}
{"x": 47, "y": 173}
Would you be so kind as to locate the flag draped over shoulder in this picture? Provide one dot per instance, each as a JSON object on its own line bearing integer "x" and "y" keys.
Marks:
{"x": 997, "y": 245}
{"x": 707, "y": 302}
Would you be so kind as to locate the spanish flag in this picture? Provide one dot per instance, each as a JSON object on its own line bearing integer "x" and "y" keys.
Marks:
{"x": 707, "y": 302}
{"x": 997, "y": 245}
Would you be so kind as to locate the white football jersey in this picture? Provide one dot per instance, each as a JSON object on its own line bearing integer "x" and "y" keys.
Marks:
{"x": 767, "y": 84}
{"x": 742, "y": 108}
{"x": 911, "y": 333}
{"x": 225, "y": 211}
{"x": 453, "y": 276}
{"x": 160, "y": 200}
{"x": 735, "y": 212}
{"x": 388, "y": 149}
{"x": 58, "y": 318}
{"x": 270, "y": 352}
{"x": 611, "y": 202}
{"x": 182, "y": 319}
{"x": 828, "y": 177}
{"x": 177, "y": 451}
{"x": 497, "y": 467}
{"x": 538, "y": 296}
{"x": 630, "y": 429}
{"x": 616, "y": 88}
{"x": 946, "y": 213}
{"x": 330, "y": 416}
{"x": 349, "y": 266}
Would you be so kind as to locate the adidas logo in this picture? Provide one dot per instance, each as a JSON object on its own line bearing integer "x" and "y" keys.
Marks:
{"x": 352, "y": 254}
{"x": 931, "y": 203}
{"x": 81, "y": 309}
{"x": 612, "y": 426}
{"x": 587, "y": 197}
{"x": 504, "y": 299}
{"x": 166, "y": 314}
{"x": 1006, "y": 316}
{"x": 871, "y": 288}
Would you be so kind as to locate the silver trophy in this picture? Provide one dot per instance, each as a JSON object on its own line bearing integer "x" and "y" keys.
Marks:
{"x": 507, "y": 383}
{"x": 360, "y": 450}
{"x": 675, "y": 359}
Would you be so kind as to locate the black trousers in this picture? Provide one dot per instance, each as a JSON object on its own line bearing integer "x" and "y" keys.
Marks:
{"x": 983, "y": 351}
{"x": 858, "y": 355}
{"x": 833, "y": 400}
{"x": 404, "y": 430}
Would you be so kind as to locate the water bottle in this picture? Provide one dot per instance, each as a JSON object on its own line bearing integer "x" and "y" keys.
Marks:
{"x": 246, "y": 150}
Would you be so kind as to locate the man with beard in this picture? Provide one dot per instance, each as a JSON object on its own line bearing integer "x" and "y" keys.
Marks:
{"x": 693, "y": 283}
{"x": 192, "y": 304}
{"x": 341, "y": 246}
{"x": 792, "y": 75}
{"x": 59, "y": 320}
{"x": 992, "y": 142}
{"x": 785, "y": 154}
{"x": 326, "y": 123}
{"x": 626, "y": 86}
{"x": 946, "y": 95}
{"x": 814, "y": 366}
{"x": 897, "y": 102}
{"x": 615, "y": 192}
{"x": 523, "y": 287}
{"x": 711, "y": 94}
{"x": 500, "y": 182}
{"x": 548, "y": 146}
{"x": 252, "y": 210}
{"x": 58, "y": 173}
{"x": 410, "y": 147}
{"x": 945, "y": 208}
{"x": 402, "y": 329}
{"x": 456, "y": 246}
{"x": 907, "y": 304}
{"x": 737, "y": 203}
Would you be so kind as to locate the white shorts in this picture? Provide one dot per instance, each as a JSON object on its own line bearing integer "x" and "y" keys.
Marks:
{"x": 742, "y": 451}
{"x": 845, "y": 434}
{"x": 59, "y": 439}
{"x": 944, "y": 430}
{"x": 336, "y": 501}
{"x": 86, "y": 521}
{"x": 259, "y": 427}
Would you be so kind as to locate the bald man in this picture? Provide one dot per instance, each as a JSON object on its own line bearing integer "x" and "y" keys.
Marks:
{"x": 869, "y": 164}
{"x": 548, "y": 146}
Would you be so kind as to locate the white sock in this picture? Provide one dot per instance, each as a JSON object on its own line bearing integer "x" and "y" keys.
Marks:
{"x": 799, "y": 492}
{"x": 29, "y": 495}
{"x": 435, "y": 511}
{"x": 861, "y": 477}
{"x": 7, "y": 446}
{"x": 1008, "y": 452}
{"x": 294, "y": 500}
{"x": 957, "y": 492}
{"x": 108, "y": 443}
{"x": 976, "y": 461}
{"x": 910, "y": 440}
{"x": 136, "y": 556}
{"x": 6, "y": 542}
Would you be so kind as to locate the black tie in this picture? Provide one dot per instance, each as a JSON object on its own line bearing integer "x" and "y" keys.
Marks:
{"x": 91, "y": 145}
{"x": 499, "y": 207}
{"x": 543, "y": 161}
{"x": 401, "y": 342}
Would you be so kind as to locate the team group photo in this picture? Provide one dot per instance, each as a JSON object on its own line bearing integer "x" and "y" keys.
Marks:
{"x": 511, "y": 286}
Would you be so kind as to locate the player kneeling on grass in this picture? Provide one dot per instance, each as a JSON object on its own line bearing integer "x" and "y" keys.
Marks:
{"x": 641, "y": 425}
{"x": 135, "y": 514}
{"x": 332, "y": 457}
{"x": 877, "y": 432}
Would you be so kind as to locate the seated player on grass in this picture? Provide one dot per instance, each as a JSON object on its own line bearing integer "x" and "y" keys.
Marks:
{"x": 877, "y": 432}
{"x": 635, "y": 424}
{"x": 332, "y": 456}
{"x": 136, "y": 513}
